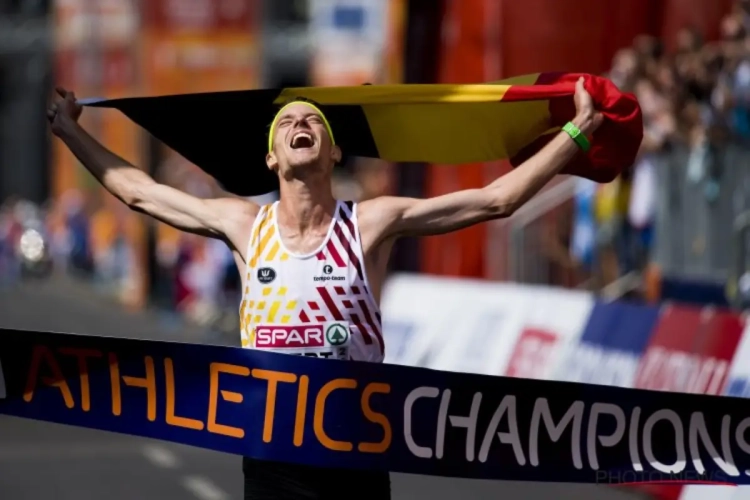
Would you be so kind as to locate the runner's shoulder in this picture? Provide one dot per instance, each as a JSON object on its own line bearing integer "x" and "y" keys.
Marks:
{"x": 377, "y": 217}
{"x": 236, "y": 217}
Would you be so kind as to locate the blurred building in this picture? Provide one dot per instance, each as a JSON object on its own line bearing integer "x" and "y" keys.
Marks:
{"x": 25, "y": 78}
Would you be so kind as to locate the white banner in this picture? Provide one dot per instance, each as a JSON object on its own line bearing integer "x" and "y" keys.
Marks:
{"x": 553, "y": 321}
{"x": 474, "y": 326}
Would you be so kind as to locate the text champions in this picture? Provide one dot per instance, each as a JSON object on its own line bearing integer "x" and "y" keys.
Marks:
{"x": 390, "y": 417}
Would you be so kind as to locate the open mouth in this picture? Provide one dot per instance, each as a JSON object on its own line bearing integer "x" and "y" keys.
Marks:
{"x": 302, "y": 140}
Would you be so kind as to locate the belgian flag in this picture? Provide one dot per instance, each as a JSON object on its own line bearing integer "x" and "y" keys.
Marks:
{"x": 225, "y": 133}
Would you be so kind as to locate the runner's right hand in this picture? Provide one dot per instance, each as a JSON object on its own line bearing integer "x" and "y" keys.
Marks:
{"x": 63, "y": 108}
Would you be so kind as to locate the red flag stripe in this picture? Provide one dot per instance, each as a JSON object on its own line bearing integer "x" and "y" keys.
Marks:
{"x": 313, "y": 305}
{"x": 303, "y": 317}
{"x": 349, "y": 250}
{"x": 320, "y": 255}
{"x": 614, "y": 146}
{"x": 375, "y": 328}
{"x": 355, "y": 290}
{"x": 335, "y": 254}
{"x": 340, "y": 290}
{"x": 330, "y": 304}
{"x": 348, "y": 304}
{"x": 320, "y": 318}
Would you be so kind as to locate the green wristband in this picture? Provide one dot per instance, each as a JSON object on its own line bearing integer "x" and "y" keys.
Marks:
{"x": 577, "y": 136}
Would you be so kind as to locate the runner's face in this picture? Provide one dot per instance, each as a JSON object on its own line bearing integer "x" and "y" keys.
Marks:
{"x": 301, "y": 140}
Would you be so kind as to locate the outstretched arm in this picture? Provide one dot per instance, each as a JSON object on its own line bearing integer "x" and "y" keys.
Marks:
{"x": 396, "y": 216}
{"x": 213, "y": 218}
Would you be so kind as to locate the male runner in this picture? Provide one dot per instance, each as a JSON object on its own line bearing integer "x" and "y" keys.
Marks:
{"x": 311, "y": 260}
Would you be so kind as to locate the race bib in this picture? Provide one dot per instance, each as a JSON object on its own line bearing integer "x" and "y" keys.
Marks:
{"x": 330, "y": 340}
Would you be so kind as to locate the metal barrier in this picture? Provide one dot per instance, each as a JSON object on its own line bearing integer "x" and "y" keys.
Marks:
{"x": 527, "y": 236}
{"x": 739, "y": 276}
{"x": 697, "y": 203}
{"x": 700, "y": 194}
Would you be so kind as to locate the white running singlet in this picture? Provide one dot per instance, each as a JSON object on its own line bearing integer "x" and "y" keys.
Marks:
{"x": 318, "y": 304}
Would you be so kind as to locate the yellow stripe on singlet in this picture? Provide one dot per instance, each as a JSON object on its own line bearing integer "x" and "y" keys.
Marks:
{"x": 273, "y": 251}
{"x": 258, "y": 242}
{"x": 265, "y": 247}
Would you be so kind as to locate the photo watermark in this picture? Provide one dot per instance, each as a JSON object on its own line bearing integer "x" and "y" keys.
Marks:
{"x": 630, "y": 477}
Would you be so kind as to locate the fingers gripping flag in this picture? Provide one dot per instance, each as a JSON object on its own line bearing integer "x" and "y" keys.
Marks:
{"x": 225, "y": 133}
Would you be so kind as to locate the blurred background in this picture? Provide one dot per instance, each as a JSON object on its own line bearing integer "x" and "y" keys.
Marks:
{"x": 673, "y": 227}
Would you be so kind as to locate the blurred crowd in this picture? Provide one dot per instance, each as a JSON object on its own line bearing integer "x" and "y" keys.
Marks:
{"x": 71, "y": 235}
{"x": 90, "y": 236}
{"x": 696, "y": 97}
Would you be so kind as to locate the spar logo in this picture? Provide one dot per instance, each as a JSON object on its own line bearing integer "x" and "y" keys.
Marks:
{"x": 283, "y": 336}
{"x": 337, "y": 334}
{"x": 275, "y": 337}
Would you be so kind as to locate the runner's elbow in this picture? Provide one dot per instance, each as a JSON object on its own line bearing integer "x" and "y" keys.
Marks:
{"x": 130, "y": 189}
{"x": 135, "y": 195}
{"x": 499, "y": 204}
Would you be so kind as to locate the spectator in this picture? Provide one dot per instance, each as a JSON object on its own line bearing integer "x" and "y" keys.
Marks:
{"x": 696, "y": 98}
{"x": 77, "y": 225}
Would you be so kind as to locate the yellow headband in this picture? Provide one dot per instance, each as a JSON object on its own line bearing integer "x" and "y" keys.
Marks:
{"x": 313, "y": 106}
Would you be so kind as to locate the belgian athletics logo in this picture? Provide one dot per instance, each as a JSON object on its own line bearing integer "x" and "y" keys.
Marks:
{"x": 266, "y": 275}
{"x": 337, "y": 334}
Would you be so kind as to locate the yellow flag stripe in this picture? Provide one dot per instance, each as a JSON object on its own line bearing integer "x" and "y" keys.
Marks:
{"x": 398, "y": 94}
{"x": 499, "y": 129}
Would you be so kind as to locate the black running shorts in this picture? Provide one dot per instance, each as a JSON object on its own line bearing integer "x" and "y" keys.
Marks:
{"x": 281, "y": 481}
